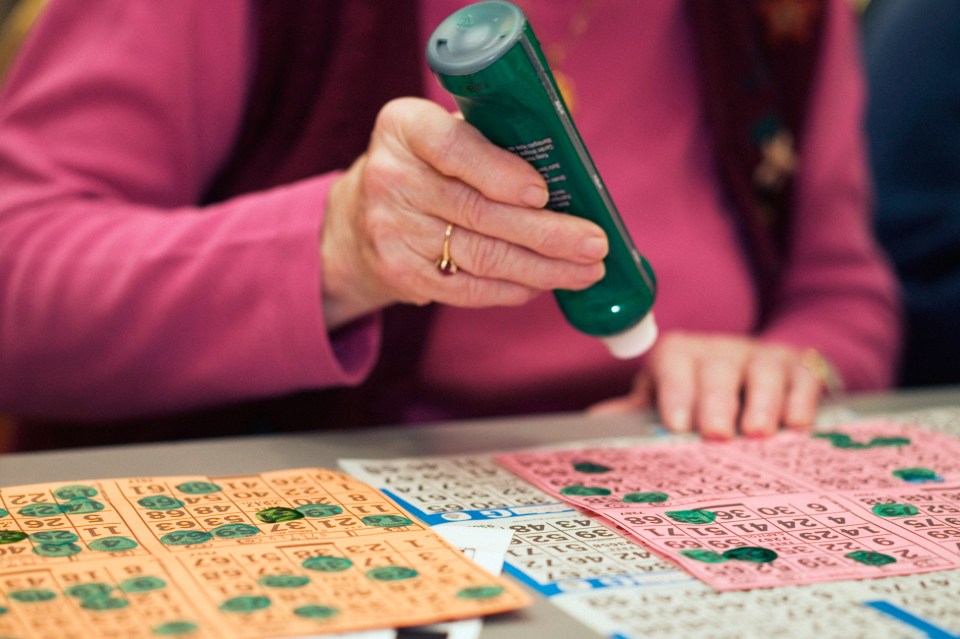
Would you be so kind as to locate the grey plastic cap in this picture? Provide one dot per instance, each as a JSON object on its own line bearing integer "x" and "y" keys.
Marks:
{"x": 473, "y": 38}
{"x": 634, "y": 341}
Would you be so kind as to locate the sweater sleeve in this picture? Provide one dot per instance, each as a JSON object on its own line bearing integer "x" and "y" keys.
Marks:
{"x": 838, "y": 294}
{"x": 119, "y": 295}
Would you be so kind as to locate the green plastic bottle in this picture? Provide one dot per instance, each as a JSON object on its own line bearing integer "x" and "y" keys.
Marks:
{"x": 488, "y": 58}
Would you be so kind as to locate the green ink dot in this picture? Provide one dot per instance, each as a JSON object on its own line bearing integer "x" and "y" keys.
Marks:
{"x": 646, "y": 498}
{"x": 386, "y": 521}
{"x": 691, "y": 516}
{"x": 870, "y": 558}
{"x": 57, "y": 550}
{"x": 160, "y": 502}
{"x": 3, "y": 513}
{"x": 283, "y": 581}
{"x": 480, "y": 592}
{"x": 92, "y": 590}
{"x": 3, "y": 610}
{"x": 327, "y": 564}
{"x": 751, "y": 553}
{"x": 234, "y": 531}
{"x": 889, "y": 441}
{"x": 590, "y": 467}
{"x": 41, "y": 510}
{"x": 706, "y": 556}
{"x": 11, "y": 536}
{"x": 142, "y": 584}
{"x": 917, "y": 475}
{"x": 186, "y": 538}
{"x": 113, "y": 544}
{"x": 245, "y": 604}
{"x": 895, "y": 510}
{"x": 32, "y": 595}
{"x": 579, "y": 490}
{"x": 392, "y": 573}
{"x": 834, "y": 437}
{"x": 841, "y": 440}
{"x": 278, "y": 514}
{"x": 198, "y": 488}
{"x": 54, "y": 537}
{"x": 75, "y": 492}
{"x": 318, "y": 511}
{"x": 81, "y": 506}
{"x": 316, "y": 612}
{"x": 107, "y": 603}
{"x": 174, "y": 628}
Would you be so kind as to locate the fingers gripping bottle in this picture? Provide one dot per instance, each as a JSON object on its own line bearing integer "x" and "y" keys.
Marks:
{"x": 488, "y": 58}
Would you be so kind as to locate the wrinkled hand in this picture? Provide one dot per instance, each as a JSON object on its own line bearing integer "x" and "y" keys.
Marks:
{"x": 424, "y": 168}
{"x": 719, "y": 384}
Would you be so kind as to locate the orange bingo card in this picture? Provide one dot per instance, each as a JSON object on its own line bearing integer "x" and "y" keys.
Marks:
{"x": 286, "y": 553}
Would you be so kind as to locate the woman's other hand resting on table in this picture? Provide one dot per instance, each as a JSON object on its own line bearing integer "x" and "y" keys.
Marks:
{"x": 719, "y": 385}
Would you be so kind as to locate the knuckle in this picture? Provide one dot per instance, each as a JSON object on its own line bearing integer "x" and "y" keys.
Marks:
{"x": 470, "y": 204}
{"x": 490, "y": 256}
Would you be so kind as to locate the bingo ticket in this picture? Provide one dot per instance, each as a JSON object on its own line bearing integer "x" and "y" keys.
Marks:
{"x": 284, "y": 553}
{"x": 875, "y": 499}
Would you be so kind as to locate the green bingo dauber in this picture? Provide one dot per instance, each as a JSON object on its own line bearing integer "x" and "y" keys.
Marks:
{"x": 487, "y": 57}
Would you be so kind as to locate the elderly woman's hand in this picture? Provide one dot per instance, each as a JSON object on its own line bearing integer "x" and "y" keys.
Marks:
{"x": 389, "y": 214}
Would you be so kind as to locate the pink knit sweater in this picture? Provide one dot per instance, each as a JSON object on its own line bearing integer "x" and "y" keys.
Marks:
{"x": 119, "y": 296}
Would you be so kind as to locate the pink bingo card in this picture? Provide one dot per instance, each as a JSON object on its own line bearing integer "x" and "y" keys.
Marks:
{"x": 867, "y": 500}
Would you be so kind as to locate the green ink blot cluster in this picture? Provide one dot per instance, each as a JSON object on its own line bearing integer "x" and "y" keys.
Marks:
{"x": 174, "y": 628}
{"x": 692, "y": 516}
{"x": 198, "y": 488}
{"x": 11, "y": 536}
{"x": 283, "y": 581}
{"x": 245, "y": 604}
{"x": 314, "y": 611}
{"x": 234, "y": 531}
{"x": 319, "y": 511}
{"x": 324, "y": 563}
{"x": 278, "y": 514}
{"x": 160, "y": 502}
{"x": 55, "y": 543}
{"x": 113, "y": 544}
{"x": 895, "y": 510}
{"x": 480, "y": 592}
{"x": 579, "y": 490}
{"x": 78, "y": 499}
{"x": 646, "y": 498}
{"x": 392, "y": 573}
{"x": 753, "y": 554}
{"x": 32, "y": 595}
{"x": 142, "y": 584}
{"x": 386, "y": 521}
{"x": 185, "y": 538}
{"x": 96, "y": 596}
{"x": 66, "y": 493}
{"x": 870, "y": 557}
{"x": 917, "y": 475}
{"x": 842, "y": 440}
{"x": 590, "y": 467}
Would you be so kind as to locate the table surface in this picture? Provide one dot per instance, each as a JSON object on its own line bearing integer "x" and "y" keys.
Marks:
{"x": 278, "y": 452}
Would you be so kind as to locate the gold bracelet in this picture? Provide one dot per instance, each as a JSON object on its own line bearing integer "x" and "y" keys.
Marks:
{"x": 821, "y": 368}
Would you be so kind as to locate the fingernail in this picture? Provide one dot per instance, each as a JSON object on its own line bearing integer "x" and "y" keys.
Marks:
{"x": 758, "y": 425}
{"x": 679, "y": 420}
{"x": 714, "y": 430}
{"x": 594, "y": 248}
{"x": 535, "y": 196}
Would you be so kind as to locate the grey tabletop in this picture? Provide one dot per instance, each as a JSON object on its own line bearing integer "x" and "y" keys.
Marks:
{"x": 277, "y": 452}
